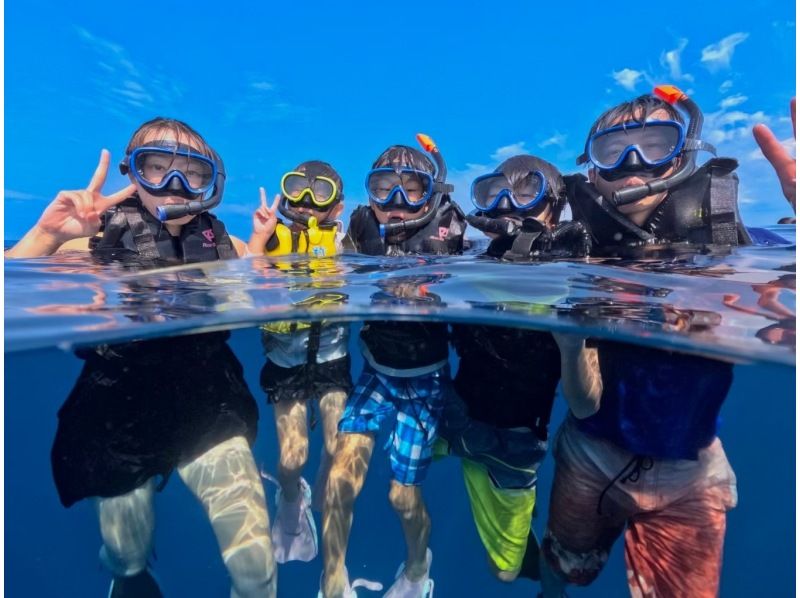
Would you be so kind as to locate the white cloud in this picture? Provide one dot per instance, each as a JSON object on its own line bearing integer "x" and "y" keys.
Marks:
{"x": 121, "y": 85}
{"x": 732, "y": 101}
{"x": 20, "y": 195}
{"x": 726, "y": 85}
{"x": 627, "y": 78}
{"x": 672, "y": 61}
{"x": 262, "y": 86}
{"x": 501, "y": 153}
{"x": 558, "y": 139}
{"x": 718, "y": 56}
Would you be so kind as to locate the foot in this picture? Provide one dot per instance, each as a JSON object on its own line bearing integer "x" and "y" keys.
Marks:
{"x": 141, "y": 585}
{"x": 350, "y": 589}
{"x": 294, "y": 533}
{"x": 405, "y": 588}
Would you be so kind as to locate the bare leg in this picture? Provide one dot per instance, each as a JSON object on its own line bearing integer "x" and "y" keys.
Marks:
{"x": 290, "y": 422}
{"x": 126, "y": 525}
{"x": 331, "y": 406}
{"x": 349, "y": 469}
{"x": 227, "y": 483}
{"x": 409, "y": 506}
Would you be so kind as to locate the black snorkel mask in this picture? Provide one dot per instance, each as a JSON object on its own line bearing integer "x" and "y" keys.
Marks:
{"x": 166, "y": 168}
{"x": 439, "y": 188}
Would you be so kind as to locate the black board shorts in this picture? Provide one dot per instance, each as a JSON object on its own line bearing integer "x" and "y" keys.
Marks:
{"x": 142, "y": 408}
{"x": 307, "y": 381}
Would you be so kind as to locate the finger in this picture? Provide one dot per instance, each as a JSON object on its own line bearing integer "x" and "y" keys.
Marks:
{"x": 771, "y": 147}
{"x": 792, "y": 110}
{"x": 263, "y": 193}
{"x": 100, "y": 173}
{"x": 103, "y": 202}
{"x": 75, "y": 199}
{"x": 275, "y": 203}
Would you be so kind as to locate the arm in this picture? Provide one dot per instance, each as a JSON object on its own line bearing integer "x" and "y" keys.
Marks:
{"x": 785, "y": 166}
{"x": 580, "y": 375}
{"x": 71, "y": 217}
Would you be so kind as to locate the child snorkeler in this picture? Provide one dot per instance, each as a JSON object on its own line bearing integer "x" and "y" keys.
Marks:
{"x": 406, "y": 372}
{"x": 143, "y": 409}
{"x": 306, "y": 361}
{"x": 645, "y": 461}
{"x": 497, "y": 421}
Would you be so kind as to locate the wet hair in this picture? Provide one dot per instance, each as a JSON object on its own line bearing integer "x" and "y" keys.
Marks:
{"x": 403, "y": 156}
{"x": 636, "y": 110}
{"x": 179, "y": 129}
{"x": 320, "y": 168}
{"x": 518, "y": 167}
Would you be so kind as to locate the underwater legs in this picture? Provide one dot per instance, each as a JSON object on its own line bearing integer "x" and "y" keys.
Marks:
{"x": 126, "y": 525}
{"x": 226, "y": 481}
{"x": 346, "y": 479}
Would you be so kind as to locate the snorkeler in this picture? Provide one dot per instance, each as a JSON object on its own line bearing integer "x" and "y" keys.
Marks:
{"x": 644, "y": 458}
{"x": 143, "y": 409}
{"x": 306, "y": 361}
{"x": 519, "y": 205}
{"x": 406, "y": 372}
{"x": 507, "y": 377}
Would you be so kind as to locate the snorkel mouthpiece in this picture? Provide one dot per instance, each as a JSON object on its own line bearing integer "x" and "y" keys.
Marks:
{"x": 192, "y": 208}
{"x": 675, "y": 97}
{"x": 496, "y": 226}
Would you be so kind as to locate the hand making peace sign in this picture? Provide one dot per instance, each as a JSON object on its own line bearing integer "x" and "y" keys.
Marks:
{"x": 76, "y": 214}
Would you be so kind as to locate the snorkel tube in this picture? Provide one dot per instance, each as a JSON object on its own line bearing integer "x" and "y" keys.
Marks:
{"x": 675, "y": 97}
{"x": 495, "y": 226}
{"x": 196, "y": 206}
{"x": 440, "y": 188}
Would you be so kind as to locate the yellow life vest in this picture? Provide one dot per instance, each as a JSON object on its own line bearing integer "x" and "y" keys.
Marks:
{"x": 320, "y": 242}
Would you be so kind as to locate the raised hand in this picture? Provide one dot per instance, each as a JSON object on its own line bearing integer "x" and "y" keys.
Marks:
{"x": 75, "y": 214}
{"x": 784, "y": 164}
{"x": 265, "y": 219}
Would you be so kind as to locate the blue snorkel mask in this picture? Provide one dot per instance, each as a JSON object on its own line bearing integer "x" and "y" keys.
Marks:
{"x": 166, "y": 168}
{"x": 401, "y": 188}
{"x": 650, "y": 147}
{"x": 409, "y": 189}
{"x": 494, "y": 192}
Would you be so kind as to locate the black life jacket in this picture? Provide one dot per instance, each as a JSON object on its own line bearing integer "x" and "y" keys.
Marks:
{"x": 443, "y": 235}
{"x": 701, "y": 213}
{"x": 507, "y": 377}
{"x": 130, "y": 231}
{"x": 566, "y": 240}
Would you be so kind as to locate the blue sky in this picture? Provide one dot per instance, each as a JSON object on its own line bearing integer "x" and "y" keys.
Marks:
{"x": 272, "y": 84}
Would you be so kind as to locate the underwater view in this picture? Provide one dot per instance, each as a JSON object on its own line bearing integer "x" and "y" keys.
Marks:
{"x": 407, "y": 301}
{"x": 60, "y": 311}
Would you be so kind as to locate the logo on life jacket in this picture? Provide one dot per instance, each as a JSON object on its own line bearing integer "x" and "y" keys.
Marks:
{"x": 209, "y": 236}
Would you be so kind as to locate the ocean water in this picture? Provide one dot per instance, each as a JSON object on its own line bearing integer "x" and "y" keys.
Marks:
{"x": 733, "y": 307}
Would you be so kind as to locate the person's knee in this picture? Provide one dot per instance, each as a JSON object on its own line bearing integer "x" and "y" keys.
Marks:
{"x": 406, "y": 500}
{"x": 127, "y": 523}
{"x": 294, "y": 455}
{"x": 574, "y": 567}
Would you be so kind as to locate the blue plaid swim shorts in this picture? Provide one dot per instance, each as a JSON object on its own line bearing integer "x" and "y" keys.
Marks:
{"x": 415, "y": 404}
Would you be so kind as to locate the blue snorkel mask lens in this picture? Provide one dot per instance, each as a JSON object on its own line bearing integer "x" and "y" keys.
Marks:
{"x": 167, "y": 168}
{"x": 656, "y": 143}
{"x": 494, "y": 191}
{"x": 404, "y": 188}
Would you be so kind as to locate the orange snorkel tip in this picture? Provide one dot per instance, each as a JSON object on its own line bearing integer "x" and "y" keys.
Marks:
{"x": 426, "y": 142}
{"x": 669, "y": 93}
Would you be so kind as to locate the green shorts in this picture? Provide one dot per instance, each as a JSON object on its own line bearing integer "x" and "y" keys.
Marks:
{"x": 502, "y": 516}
